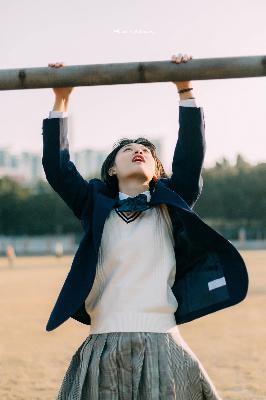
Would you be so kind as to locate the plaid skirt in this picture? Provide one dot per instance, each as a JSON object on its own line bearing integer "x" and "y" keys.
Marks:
{"x": 136, "y": 366}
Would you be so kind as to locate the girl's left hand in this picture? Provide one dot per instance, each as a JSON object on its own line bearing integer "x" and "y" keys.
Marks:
{"x": 179, "y": 59}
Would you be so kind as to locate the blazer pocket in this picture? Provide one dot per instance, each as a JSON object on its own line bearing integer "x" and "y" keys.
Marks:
{"x": 206, "y": 283}
{"x": 202, "y": 286}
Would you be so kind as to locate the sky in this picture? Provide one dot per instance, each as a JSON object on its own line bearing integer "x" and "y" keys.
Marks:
{"x": 34, "y": 33}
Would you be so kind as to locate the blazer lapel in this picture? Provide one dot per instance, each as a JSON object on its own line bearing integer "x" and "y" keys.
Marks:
{"x": 162, "y": 194}
{"x": 103, "y": 206}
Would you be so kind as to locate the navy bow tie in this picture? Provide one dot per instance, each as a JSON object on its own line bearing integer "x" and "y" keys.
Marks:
{"x": 138, "y": 203}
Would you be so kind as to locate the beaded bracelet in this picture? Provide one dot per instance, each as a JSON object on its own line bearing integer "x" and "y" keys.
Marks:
{"x": 184, "y": 90}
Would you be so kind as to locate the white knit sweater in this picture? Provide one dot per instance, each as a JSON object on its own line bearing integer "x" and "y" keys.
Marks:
{"x": 134, "y": 274}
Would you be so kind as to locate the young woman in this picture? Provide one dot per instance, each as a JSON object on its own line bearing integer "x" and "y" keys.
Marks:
{"x": 134, "y": 349}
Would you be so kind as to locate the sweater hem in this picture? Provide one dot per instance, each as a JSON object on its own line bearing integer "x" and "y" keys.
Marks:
{"x": 132, "y": 322}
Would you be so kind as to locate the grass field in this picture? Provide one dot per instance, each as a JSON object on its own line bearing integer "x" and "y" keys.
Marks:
{"x": 231, "y": 343}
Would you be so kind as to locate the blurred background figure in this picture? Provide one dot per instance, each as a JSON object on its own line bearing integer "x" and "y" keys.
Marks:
{"x": 59, "y": 251}
{"x": 11, "y": 255}
{"x": 242, "y": 235}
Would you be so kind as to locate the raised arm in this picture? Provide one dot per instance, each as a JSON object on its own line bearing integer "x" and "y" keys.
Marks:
{"x": 60, "y": 171}
{"x": 189, "y": 153}
{"x": 186, "y": 179}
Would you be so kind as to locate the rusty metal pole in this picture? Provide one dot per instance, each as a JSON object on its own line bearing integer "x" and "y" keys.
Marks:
{"x": 133, "y": 72}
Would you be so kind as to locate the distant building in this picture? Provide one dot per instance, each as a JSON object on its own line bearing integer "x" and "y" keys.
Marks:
{"x": 89, "y": 162}
{"x": 23, "y": 167}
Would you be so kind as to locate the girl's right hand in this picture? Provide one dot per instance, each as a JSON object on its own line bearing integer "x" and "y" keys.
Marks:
{"x": 61, "y": 92}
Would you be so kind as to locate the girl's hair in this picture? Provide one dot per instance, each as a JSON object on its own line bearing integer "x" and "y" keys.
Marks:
{"x": 112, "y": 181}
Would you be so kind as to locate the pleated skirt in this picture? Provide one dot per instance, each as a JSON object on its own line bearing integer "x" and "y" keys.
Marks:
{"x": 135, "y": 366}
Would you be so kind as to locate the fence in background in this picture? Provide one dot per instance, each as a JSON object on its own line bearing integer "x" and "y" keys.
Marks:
{"x": 39, "y": 245}
{"x": 68, "y": 244}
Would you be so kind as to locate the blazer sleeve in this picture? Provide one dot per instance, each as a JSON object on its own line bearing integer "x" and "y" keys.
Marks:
{"x": 60, "y": 171}
{"x": 186, "y": 179}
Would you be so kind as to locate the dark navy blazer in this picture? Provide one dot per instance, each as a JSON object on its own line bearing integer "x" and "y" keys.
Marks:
{"x": 210, "y": 272}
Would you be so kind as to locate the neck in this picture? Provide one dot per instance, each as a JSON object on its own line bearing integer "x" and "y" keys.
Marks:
{"x": 133, "y": 188}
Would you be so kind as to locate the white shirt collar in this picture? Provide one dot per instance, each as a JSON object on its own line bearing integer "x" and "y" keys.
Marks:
{"x": 124, "y": 195}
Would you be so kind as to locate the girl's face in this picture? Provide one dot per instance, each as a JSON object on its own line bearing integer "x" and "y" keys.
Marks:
{"x": 125, "y": 165}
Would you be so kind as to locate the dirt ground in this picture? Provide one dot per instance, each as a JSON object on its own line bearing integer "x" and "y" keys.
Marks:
{"x": 230, "y": 343}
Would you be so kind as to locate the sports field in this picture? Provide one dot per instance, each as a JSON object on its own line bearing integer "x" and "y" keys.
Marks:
{"x": 230, "y": 343}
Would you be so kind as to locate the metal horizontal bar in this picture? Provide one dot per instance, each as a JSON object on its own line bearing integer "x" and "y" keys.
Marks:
{"x": 133, "y": 72}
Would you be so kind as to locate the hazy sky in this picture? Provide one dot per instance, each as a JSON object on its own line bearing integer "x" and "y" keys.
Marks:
{"x": 34, "y": 33}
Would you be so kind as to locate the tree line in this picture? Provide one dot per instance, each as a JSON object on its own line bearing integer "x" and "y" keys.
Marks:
{"x": 233, "y": 197}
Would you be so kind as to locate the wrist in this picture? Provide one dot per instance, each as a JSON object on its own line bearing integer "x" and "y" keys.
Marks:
{"x": 186, "y": 95}
{"x": 61, "y": 103}
{"x": 183, "y": 84}
{"x": 60, "y": 97}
